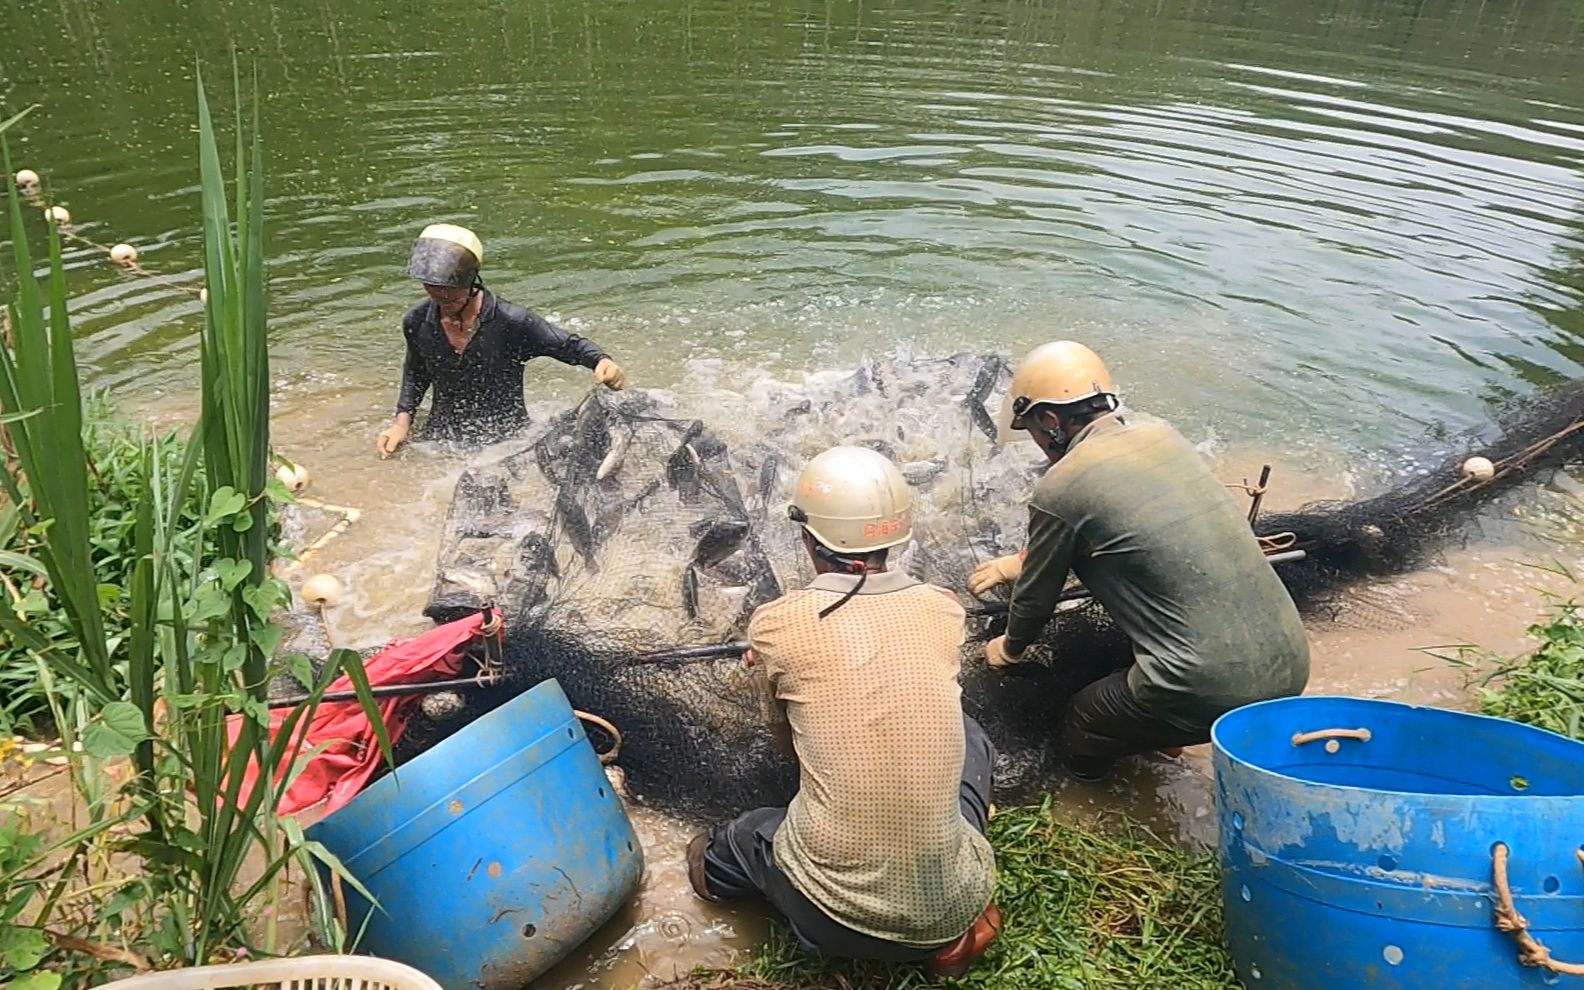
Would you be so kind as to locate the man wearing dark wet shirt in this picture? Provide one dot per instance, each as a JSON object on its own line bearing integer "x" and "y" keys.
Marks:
{"x": 1133, "y": 511}
{"x": 470, "y": 346}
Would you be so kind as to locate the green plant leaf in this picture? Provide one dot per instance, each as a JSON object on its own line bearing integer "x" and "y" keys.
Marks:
{"x": 22, "y": 948}
{"x": 234, "y": 656}
{"x": 6, "y": 124}
{"x": 267, "y": 638}
{"x": 264, "y": 598}
{"x": 209, "y": 603}
{"x": 233, "y": 572}
{"x": 44, "y": 979}
{"x": 12, "y": 561}
{"x": 223, "y": 504}
{"x": 120, "y": 728}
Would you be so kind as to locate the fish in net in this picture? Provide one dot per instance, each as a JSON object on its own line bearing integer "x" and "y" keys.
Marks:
{"x": 627, "y": 526}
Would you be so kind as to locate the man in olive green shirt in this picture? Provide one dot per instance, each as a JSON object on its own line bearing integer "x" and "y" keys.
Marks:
{"x": 1134, "y": 511}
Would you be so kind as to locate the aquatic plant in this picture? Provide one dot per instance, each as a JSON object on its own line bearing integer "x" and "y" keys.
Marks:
{"x": 1102, "y": 905}
{"x": 166, "y": 864}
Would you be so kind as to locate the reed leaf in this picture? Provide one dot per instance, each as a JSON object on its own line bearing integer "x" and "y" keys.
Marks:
{"x": 199, "y": 588}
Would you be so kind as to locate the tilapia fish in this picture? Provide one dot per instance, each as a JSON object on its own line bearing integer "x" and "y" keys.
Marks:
{"x": 717, "y": 539}
{"x": 573, "y": 521}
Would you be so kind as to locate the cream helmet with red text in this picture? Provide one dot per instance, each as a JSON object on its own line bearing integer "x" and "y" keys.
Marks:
{"x": 853, "y": 500}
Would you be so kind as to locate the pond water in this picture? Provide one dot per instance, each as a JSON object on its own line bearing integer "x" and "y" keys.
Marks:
{"x": 1310, "y": 224}
{"x": 1307, "y": 233}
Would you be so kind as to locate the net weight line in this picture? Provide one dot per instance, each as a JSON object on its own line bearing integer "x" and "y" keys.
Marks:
{"x": 667, "y": 658}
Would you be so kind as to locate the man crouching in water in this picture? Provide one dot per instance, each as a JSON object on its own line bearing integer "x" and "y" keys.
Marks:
{"x": 1134, "y": 511}
{"x": 471, "y": 346}
{"x": 881, "y": 853}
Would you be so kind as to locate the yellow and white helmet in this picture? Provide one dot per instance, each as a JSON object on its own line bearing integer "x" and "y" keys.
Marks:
{"x": 853, "y": 500}
{"x": 1058, "y": 373}
{"x": 446, "y": 255}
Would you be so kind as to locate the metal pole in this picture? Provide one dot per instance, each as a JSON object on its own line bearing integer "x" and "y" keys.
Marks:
{"x": 719, "y": 651}
{"x": 387, "y": 691}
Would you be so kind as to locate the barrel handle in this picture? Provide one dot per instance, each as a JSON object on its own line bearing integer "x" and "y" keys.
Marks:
{"x": 609, "y": 756}
{"x": 1299, "y": 738}
{"x": 1530, "y": 951}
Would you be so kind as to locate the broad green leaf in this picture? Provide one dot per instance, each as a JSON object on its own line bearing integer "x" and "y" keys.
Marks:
{"x": 223, "y": 504}
{"x": 210, "y": 603}
{"x": 298, "y": 666}
{"x": 42, "y": 980}
{"x": 128, "y": 896}
{"x": 22, "y": 948}
{"x": 234, "y": 656}
{"x": 267, "y": 638}
{"x": 233, "y": 572}
{"x": 265, "y": 598}
{"x": 164, "y": 854}
{"x": 120, "y": 728}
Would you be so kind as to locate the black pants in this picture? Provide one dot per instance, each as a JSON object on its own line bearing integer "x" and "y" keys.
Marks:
{"x": 740, "y": 863}
{"x": 1105, "y": 721}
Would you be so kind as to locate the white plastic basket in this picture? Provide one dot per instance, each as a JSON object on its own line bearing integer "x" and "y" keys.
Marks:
{"x": 304, "y": 973}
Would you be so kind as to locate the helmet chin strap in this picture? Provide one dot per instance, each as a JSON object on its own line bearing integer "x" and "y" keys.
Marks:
{"x": 847, "y": 565}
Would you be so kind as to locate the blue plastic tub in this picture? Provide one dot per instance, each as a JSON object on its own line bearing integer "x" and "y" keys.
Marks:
{"x": 1367, "y": 862}
{"x": 493, "y": 854}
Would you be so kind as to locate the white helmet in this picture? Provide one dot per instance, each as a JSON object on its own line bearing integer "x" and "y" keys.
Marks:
{"x": 853, "y": 500}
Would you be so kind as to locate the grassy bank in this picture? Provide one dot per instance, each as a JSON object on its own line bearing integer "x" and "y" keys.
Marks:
{"x": 1543, "y": 687}
{"x": 120, "y": 479}
{"x": 139, "y": 600}
{"x": 1099, "y": 906}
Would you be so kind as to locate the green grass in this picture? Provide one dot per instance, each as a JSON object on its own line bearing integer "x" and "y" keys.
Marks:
{"x": 1099, "y": 906}
{"x": 1544, "y": 687}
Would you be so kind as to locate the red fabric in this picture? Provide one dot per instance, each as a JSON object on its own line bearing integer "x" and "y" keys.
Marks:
{"x": 350, "y": 752}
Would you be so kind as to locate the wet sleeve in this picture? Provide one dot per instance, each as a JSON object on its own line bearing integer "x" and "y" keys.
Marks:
{"x": 416, "y": 377}
{"x": 1049, "y": 556}
{"x": 534, "y": 336}
{"x": 766, "y": 677}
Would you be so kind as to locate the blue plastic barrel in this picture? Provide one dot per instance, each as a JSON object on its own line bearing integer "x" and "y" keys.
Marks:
{"x": 1356, "y": 841}
{"x": 493, "y": 854}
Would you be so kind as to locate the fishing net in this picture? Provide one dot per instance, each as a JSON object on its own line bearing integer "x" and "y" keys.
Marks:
{"x": 626, "y": 527}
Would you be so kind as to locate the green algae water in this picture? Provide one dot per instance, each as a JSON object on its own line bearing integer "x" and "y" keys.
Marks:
{"x": 1282, "y": 221}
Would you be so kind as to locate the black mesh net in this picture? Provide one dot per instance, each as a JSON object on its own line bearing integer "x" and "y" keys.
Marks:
{"x": 624, "y": 528}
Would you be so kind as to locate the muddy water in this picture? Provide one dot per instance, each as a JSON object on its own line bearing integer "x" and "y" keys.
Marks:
{"x": 1375, "y": 646}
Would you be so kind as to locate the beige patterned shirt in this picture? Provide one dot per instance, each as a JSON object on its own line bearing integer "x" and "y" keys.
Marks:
{"x": 875, "y": 835}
